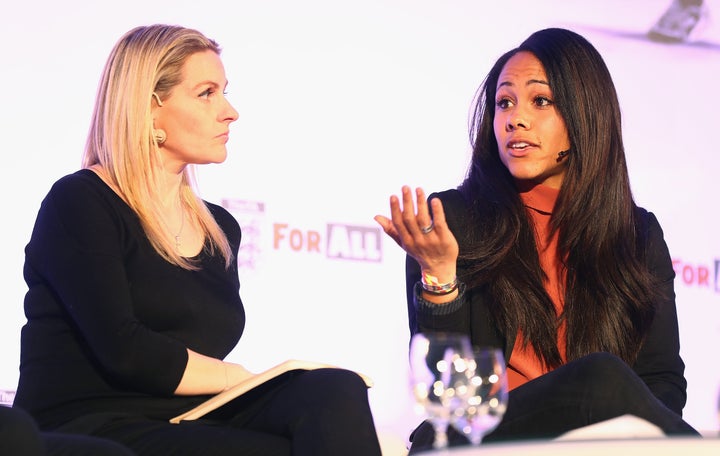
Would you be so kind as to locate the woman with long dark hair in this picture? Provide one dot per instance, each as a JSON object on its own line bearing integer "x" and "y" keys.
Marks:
{"x": 543, "y": 252}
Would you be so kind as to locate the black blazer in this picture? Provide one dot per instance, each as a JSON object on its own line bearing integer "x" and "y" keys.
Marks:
{"x": 658, "y": 364}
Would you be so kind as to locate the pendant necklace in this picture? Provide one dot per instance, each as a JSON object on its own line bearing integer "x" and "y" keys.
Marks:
{"x": 177, "y": 236}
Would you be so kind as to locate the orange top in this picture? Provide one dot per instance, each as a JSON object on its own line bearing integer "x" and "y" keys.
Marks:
{"x": 524, "y": 365}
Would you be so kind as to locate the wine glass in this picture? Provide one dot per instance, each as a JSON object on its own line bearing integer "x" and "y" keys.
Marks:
{"x": 440, "y": 375}
{"x": 487, "y": 399}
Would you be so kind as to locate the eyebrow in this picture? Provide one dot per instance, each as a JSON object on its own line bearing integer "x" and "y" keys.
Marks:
{"x": 531, "y": 81}
{"x": 209, "y": 82}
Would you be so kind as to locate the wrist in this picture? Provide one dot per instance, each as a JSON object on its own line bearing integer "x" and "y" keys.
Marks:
{"x": 432, "y": 285}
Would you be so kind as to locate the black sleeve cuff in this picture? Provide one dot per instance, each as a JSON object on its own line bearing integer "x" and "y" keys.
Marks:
{"x": 426, "y": 307}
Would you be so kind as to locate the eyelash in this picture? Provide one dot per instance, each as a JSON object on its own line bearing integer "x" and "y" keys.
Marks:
{"x": 206, "y": 93}
{"x": 540, "y": 101}
{"x": 545, "y": 100}
{"x": 502, "y": 103}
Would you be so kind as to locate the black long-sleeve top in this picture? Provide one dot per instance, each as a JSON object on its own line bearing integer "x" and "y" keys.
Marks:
{"x": 108, "y": 319}
{"x": 658, "y": 363}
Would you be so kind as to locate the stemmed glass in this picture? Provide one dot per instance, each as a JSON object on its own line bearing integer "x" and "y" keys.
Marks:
{"x": 487, "y": 398}
{"x": 440, "y": 374}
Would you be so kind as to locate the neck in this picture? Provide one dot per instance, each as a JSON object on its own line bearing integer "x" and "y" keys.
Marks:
{"x": 172, "y": 212}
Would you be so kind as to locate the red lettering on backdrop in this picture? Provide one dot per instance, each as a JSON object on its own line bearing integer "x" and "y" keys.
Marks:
{"x": 278, "y": 234}
{"x": 296, "y": 238}
{"x": 703, "y": 276}
{"x": 688, "y": 274}
{"x": 692, "y": 275}
{"x": 313, "y": 241}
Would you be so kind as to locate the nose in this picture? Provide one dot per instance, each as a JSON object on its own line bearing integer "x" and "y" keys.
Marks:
{"x": 516, "y": 120}
{"x": 229, "y": 114}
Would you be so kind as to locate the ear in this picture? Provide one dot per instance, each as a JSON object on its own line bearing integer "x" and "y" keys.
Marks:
{"x": 157, "y": 99}
{"x": 155, "y": 104}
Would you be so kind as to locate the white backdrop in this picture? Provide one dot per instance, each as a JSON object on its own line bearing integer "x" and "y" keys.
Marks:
{"x": 340, "y": 104}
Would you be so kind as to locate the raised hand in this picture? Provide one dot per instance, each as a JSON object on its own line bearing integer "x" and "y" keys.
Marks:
{"x": 427, "y": 239}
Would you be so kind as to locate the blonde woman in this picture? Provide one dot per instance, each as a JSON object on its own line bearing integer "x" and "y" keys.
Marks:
{"x": 133, "y": 300}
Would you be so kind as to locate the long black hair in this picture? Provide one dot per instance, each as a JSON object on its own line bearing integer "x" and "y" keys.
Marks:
{"x": 609, "y": 292}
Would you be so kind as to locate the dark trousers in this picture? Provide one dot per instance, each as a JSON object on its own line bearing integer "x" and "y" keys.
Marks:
{"x": 20, "y": 436}
{"x": 303, "y": 413}
{"x": 589, "y": 390}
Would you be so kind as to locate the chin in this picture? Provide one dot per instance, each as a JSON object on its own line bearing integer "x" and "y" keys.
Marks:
{"x": 523, "y": 175}
{"x": 218, "y": 157}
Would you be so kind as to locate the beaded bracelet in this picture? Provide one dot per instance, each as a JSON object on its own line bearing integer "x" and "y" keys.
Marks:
{"x": 431, "y": 285}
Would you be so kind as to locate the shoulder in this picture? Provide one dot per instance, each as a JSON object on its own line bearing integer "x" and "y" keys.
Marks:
{"x": 647, "y": 225}
{"x": 451, "y": 199}
{"x": 81, "y": 212}
{"x": 80, "y": 194}
{"x": 225, "y": 219}
{"x": 455, "y": 208}
{"x": 652, "y": 244}
{"x": 77, "y": 183}
{"x": 221, "y": 215}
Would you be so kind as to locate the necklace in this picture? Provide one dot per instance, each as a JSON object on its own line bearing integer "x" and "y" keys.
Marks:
{"x": 182, "y": 224}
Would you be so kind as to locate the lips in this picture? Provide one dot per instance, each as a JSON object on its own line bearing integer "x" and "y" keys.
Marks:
{"x": 519, "y": 147}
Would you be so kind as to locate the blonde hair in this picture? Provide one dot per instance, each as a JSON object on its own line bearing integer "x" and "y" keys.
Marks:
{"x": 146, "y": 60}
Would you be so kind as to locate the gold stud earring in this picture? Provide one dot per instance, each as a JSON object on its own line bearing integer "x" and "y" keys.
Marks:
{"x": 159, "y": 135}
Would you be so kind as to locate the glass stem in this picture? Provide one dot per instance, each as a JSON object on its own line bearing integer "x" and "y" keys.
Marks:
{"x": 441, "y": 438}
